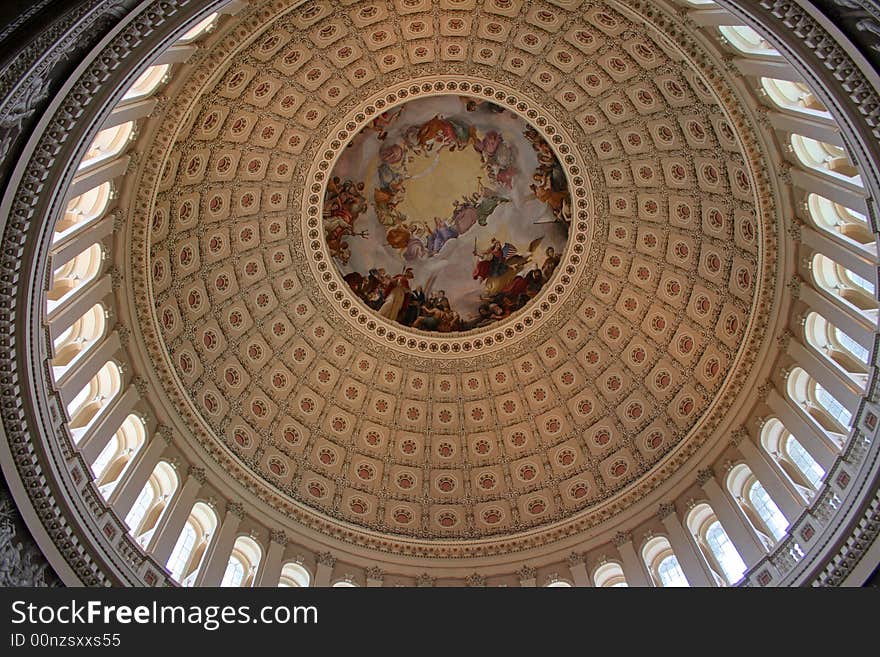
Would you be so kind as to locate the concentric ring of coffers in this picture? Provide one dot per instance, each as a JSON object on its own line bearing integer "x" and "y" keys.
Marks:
{"x": 341, "y": 421}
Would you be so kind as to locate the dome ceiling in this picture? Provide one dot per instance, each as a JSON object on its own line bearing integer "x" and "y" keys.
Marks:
{"x": 312, "y": 146}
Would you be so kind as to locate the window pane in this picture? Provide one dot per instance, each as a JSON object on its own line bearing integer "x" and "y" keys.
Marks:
{"x": 833, "y": 406}
{"x": 812, "y": 471}
{"x": 851, "y": 345}
{"x": 182, "y": 550}
{"x": 139, "y": 510}
{"x": 670, "y": 572}
{"x": 729, "y": 559}
{"x": 767, "y": 509}
{"x": 234, "y": 573}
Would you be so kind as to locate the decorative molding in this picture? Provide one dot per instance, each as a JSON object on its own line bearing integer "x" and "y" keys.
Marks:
{"x": 197, "y": 473}
{"x": 526, "y": 573}
{"x": 326, "y": 559}
{"x": 665, "y": 510}
{"x": 705, "y": 475}
{"x": 236, "y": 509}
{"x": 475, "y": 580}
{"x": 425, "y": 580}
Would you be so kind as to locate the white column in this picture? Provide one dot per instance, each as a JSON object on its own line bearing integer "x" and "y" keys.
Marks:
{"x": 528, "y": 577}
{"x": 171, "y": 524}
{"x": 578, "y": 570}
{"x": 324, "y": 571}
{"x": 712, "y": 17}
{"x": 738, "y": 530}
{"x": 98, "y": 175}
{"x": 269, "y": 572}
{"x": 691, "y": 563}
{"x": 176, "y": 54}
{"x": 846, "y": 392}
{"x": 633, "y": 566}
{"x": 75, "y": 244}
{"x": 131, "y": 110}
{"x": 62, "y": 317}
{"x": 782, "y": 494}
{"x": 217, "y": 554}
{"x": 135, "y": 477}
{"x": 834, "y": 189}
{"x": 862, "y": 264}
{"x": 82, "y": 372}
{"x": 854, "y": 325}
{"x": 820, "y": 128}
{"x": 100, "y": 433}
{"x": 778, "y": 69}
{"x": 375, "y": 577}
{"x": 807, "y": 434}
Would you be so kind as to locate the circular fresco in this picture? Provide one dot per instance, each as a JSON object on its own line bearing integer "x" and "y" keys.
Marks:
{"x": 447, "y": 214}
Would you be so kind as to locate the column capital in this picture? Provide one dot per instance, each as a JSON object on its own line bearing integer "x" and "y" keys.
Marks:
{"x": 621, "y": 538}
{"x": 140, "y": 385}
{"x": 278, "y": 536}
{"x": 526, "y": 572}
{"x": 794, "y": 286}
{"x": 165, "y": 433}
{"x": 665, "y": 510}
{"x": 475, "y": 580}
{"x": 375, "y": 573}
{"x": 325, "y": 559}
{"x": 197, "y": 473}
{"x": 425, "y": 580}
{"x": 705, "y": 475}
{"x": 574, "y": 559}
{"x": 236, "y": 509}
{"x": 738, "y": 435}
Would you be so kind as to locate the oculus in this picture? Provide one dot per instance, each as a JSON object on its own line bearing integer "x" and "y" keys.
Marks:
{"x": 447, "y": 214}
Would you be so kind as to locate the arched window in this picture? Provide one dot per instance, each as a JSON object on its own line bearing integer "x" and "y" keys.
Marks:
{"x": 805, "y": 463}
{"x": 819, "y": 405}
{"x": 794, "y": 96}
{"x": 556, "y": 582}
{"x": 199, "y": 29}
{"x": 767, "y": 509}
{"x": 766, "y": 518}
{"x": 83, "y": 209}
{"x": 345, "y": 582}
{"x": 115, "y": 458}
{"x": 746, "y": 40}
{"x": 234, "y": 575}
{"x": 93, "y": 399}
{"x": 294, "y": 575}
{"x": 715, "y": 545}
{"x": 73, "y": 275}
{"x": 839, "y": 220}
{"x": 107, "y": 143}
{"x": 78, "y": 339}
{"x": 147, "y": 83}
{"x": 662, "y": 563}
{"x": 835, "y": 346}
{"x": 152, "y": 502}
{"x": 791, "y": 457}
{"x": 182, "y": 550}
{"x": 189, "y": 551}
{"x": 670, "y": 572}
{"x": 243, "y": 563}
{"x": 826, "y": 158}
{"x": 852, "y": 291}
{"x": 609, "y": 575}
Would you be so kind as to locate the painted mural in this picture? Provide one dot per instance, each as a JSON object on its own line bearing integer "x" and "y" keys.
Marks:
{"x": 447, "y": 214}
